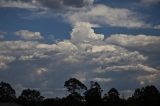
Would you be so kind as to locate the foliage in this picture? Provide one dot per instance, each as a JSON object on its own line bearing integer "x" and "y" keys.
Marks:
{"x": 30, "y": 96}
{"x": 145, "y": 96}
{"x": 74, "y": 86}
{"x": 7, "y": 93}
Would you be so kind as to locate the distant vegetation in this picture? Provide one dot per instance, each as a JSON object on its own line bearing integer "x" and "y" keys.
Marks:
{"x": 79, "y": 95}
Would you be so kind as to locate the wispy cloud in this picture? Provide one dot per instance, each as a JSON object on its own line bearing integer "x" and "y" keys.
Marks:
{"x": 108, "y": 16}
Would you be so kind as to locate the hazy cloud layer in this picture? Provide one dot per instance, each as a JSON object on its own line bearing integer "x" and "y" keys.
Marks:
{"x": 86, "y": 56}
{"x": 85, "y": 11}
{"x": 150, "y": 2}
{"x": 65, "y": 3}
{"x": 18, "y": 4}
{"x": 119, "y": 17}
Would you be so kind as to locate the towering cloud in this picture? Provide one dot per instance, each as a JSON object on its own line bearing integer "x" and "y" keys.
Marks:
{"x": 83, "y": 32}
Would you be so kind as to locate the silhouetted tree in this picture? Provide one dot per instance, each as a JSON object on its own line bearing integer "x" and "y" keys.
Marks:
{"x": 148, "y": 96}
{"x": 52, "y": 102}
{"x": 74, "y": 99}
{"x": 30, "y": 96}
{"x": 113, "y": 94}
{"x": 113, "y": 97}
{"x": 93, "y": 95}
{"x": 7, "y": 93}
{"x": 74, "y": 86}
{"x": 145, "y": 96}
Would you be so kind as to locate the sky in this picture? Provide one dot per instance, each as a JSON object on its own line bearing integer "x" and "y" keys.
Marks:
{"x": 43, "y": 43}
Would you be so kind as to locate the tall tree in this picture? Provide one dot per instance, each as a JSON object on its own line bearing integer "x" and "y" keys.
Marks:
{"x": 7, "y": 93}
{"x": 74, "y": 86}
{"x": 93, "y": 95}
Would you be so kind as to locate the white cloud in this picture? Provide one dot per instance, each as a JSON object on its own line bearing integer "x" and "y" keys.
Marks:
{"x": 132, "y": 68}
{"x": 5, "y": 60}
{"x": 157, "y": 27}
{"x": 133, "y": 40}
{"x": 14, "y": 45}
{"x": 80, "y": 75}
{"x": 41, "y": 71}
{"x": 103, "y": 48}
{"x": 86, "y": 56}
{"x": 2, "y": 33}
{"x": 66, "y": 46}
{"x": 152, "y": 78}
{"x": 102, "y": 79}
{"x": 29, "y": 35}
{"x": 82, "y": 32}
{"x": 147, "y": 43}
{"x": 17, "y": 4}
{"x": 105, "y": 15}
{"x": 119, "y": 56}
{"x": 3, "y": 65}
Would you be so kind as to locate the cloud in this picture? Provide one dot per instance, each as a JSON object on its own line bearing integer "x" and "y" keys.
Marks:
{"x": 102, "y": 79}
{"x": 17, "y": 4}
{"x": 41, "y": 71}
{"x": 80, "y": 75}
{"x": 86, "y": 56}
{"x": 119, "y": 57}
{"x": 117, "y": 17}
{"x": 83, "y": 11}
{"x": 2, "y": 33}
{"x": 56, "y": 4}
{"x": 137, "y": 42}
{"x": 138, "y": 67}
{"x": 29, "y": 35}
{"x": 16, "y": 45}
{"x": 153, "y": 78}
{"x": 42, "y": 4}
{"x": 4, "y": 60}
{"x": 157, "y": 27}
{"x": 150, "y": 2}
{"x": 83, "y": 33}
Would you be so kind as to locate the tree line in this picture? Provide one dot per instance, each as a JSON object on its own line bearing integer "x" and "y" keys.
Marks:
{"x": 80, "y": 95}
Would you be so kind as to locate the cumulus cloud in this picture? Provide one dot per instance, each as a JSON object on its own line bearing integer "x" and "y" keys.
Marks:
{"x": 29, "y": 35}
{"x": 86, "y": 56}
{"x": 83, "y": 32}
{"x": 119, "y": 17}
{"x": 16, "y": 45}
{"x": 138, "y": 42}
{"x": 4, "y": 60}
